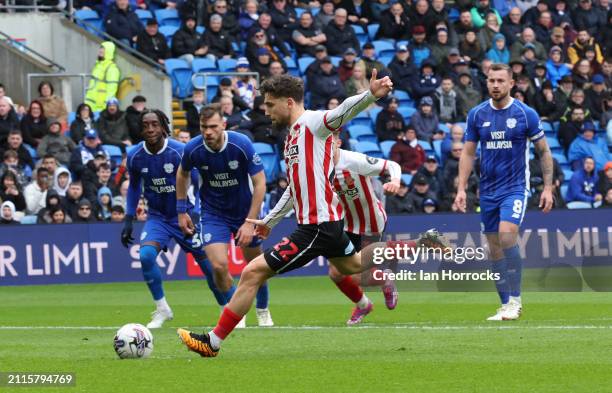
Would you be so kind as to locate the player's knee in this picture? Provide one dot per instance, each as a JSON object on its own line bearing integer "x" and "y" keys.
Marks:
{"x": 148, "y": 254}
{"x": 334, "y": 274}
{"x": 254, "y": 274}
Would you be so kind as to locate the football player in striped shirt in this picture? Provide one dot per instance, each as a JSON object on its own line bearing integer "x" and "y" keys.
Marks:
{"x": 319, "y": 213}
{"x": 364, "y": 218}
{"x": 504, "y": 127}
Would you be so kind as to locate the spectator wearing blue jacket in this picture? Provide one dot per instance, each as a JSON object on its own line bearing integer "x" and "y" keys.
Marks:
{"x": 418, "y": 46}
{"x": 86, "y": 152}
{"x": 122, "y": 22}
{"x": 555, "y": 67}
{"x": 499, "y": 52}
{"x": 325, "y": 85}
{"x": 504, "y": 6}
{"x": 582, "y": 184}
{"x": 426, "y": 83}
{"x": 588, "y": 145}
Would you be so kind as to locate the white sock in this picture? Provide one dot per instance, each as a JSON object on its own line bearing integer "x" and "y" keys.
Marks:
{"x": 215, "y": 341}
{"x": 162, "y": 304}
{"x": 363, "y": 302}
{"x": 516, "y": 299}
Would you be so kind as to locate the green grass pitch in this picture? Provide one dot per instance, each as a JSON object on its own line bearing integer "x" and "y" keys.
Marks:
{"x": 433, "y": 342}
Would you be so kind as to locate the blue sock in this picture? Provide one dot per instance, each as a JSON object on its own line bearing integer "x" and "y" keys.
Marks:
{"x": 229, "y": 293}
{"x": 263, "y": 294}
{"x": 208, "y": 272}
{"x": 515, "y": 269}
{"x": 502, "y": 285}
{"x": 151, "y": 272}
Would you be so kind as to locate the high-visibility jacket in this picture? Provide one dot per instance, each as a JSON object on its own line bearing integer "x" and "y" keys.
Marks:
{"x": 105, "y": 79}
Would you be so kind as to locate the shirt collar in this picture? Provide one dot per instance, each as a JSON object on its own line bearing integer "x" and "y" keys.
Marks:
{"x": 506, "y": 107}
{"x": 144, "y": 145}
{"x": 222, "y": 147}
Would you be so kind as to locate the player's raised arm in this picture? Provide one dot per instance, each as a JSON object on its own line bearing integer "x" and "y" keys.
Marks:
{"x": 466, "y": 164}
{"x": 547, "y": 164}
{"x": 336, "y": 118}
{"x": 183, "y": 179}
{"x": 370, "y": 166}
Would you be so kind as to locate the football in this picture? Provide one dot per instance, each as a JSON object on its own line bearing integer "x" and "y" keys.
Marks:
{"x": 133, "y": 341}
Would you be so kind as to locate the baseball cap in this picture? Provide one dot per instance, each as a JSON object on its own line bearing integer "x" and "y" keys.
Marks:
{"x": 100, "y": 153}
{"x": 326, "y": 59}
{"x": 350, "y": 51}
{"x": 85, "y": 202}
{"x": 588, "y": 125}
{"x": 453, "y": 52}
{"x": 554, "y": 49}
{"x": 429, "y": 202}
{"x": 540, "y": 64}
{"x": 152, "y": 22}
{"x": 598, "y": 79}
{"x": 567, "y": 79}
{"x": 426, "y": 101}
{"x": 263, "y": 51}
{"x": 91, "y": 134}
{"x": 402, "y": 48}
{"x": 320, "y": 48}
{"x": 242, "y": 62}
{"x": 431, "y": 157}
{"x": 418, "y": 29}
{"x": 225, "y": 81}
{"x": 420, "y": 179}
{"x": 368, "y": 45}
{"x": 112, "y": 101}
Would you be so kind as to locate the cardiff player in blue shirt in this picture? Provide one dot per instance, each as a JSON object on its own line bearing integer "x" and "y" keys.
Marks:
{"x": 504, "y": 127}
{"x": 152, "y": 166}
{"x": 232, "y": 191}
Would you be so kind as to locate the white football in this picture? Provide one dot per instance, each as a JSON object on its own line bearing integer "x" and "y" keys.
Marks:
{"x": 133, "y": 341}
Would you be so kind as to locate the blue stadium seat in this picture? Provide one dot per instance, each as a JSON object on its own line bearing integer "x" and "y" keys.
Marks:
{"x": 579, "y": 205}
{"x": 567, "y": 173}
{"x": 562, "y": 160}
{"x": 283, "y": 167}
{"x": 299, "y": 11}
{"x": 426, "y": 146}
{"x": 32, "y": 151}
{"x": 406, "y": 111}
{"x": 462, "y": 125}
{"x": 372, "y": 30}
{"x": 96, "y": 115}
{"x": 201, "y": 29}
{"x": 369, "y": 148}
{"x": 71, "y": 117}
{"x": 386, "y": 60}
{"x": 554, "y": 145}
{"x": 292, "y": 68}
{"x": 437, "y": 147}
{"x": 548, "y": 127}
{"x": 362, "y": 35}
{"x": 564, "y": 191}
{"x": 28, "y": 220}
{"x": 304, "y": 62}
{"x": 269, "y": 159}
{"x": 114, "y": 152}
{"x": 407, "y": 178}
{"x": 168, "y": 32}
{"x": 384, "y": 48}
{"x": 358, "y": 29}
{"x": 144, "y": 15}
{"x": 168, "y": 17}
{"x": 91, "y": 17}
{"x": 180, "y": 73}
{"x": 385, "y": 147}
{"x": 362, "y": 118}
{"x": 211, "y": 92}
{"x": 203, "y": 65}
{"x": 374, "y": 112}
{"x": 357, "y": 130}
{"x": 335, "y": 60}
{"x": 453, "y": 14}
{"x": 227, "y": 65}
{"x": 444, "y": 127}
{"x": 401, "y": 95}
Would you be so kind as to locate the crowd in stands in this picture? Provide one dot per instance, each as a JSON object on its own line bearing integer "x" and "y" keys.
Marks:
{"x": 437, "y": 55}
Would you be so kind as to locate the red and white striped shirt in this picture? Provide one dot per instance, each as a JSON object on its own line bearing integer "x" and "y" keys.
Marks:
{"x": 309, "y": 158}
{"x": 364, "y": 213}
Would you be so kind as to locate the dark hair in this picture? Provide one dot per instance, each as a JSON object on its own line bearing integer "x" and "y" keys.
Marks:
{"x": 41, "y": 169}
{"x": 80, "y": 108}
{"x": 501, "y": 67}
{"x": 104, "y": 165}
{"x": 578, "y": 107}
{"x": 41, "y": 84}
{"x": 210, "y": 110}
{"x": 56, "y": 208}
{"x": 15, "y": 132}
{"x": 12, "y": 175}
{"x": 139, "y": 98}
{"x": 49, "y": 155}
{"x": 448, "y": 77}
{"x": 10, "y": 154}
{"x": 117, "y": 208}
{"x": 40, "y": 105}
{"x": 76, "y": 183}
{"x": 161, "y": 117}
{"x": 284, "y": 86}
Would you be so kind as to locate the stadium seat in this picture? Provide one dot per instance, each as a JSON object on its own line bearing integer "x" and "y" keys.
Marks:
{"x": 369, "y": 148}
{"x": 31, "y": 150}
{"x": 567, "y": 174}
{"x": 201, "y": 29}
{"x": 180, "y": 73}
{"x": 283, "y": 167}
{"x": 554, "y": 145}
{"x": 374, "y": 112}
{"x": 168, "y": 32}
{"x": 227, "y": 65}
{"x": 304, "y": 62}
{"x": 406, "y": 111}
{"x": 407, "y": 178}
{"x": 292, "y": 68}
{"x": 203, "y": 65}
{"x": 386, "y": 60}
{"x": 426, "y": 146}
{"x": 437, "y": 147}
{"x": 269, "y": 159}
{"x": 299, "y": 11}
{"x": 144, "y": 15}
{"x": 28, "y": 220}
{"x": 71, "y": 117}
{"x": 168, "y": 17}
{"x": 372, "y": 30}
{"x": 362, "y": 118}
{"x": 384, "y": 48}
{"x": 564, "y": 191}
{"x": 453, "y": 14}
{"x": 362, "y": 35}
{"x": 444, "y": 127}
{"x": 357, "y": 130}
{"x": 91, "y": 17}
{"x": 462, "y": 125}
{"x": 335, "y": 60}
{"x": 547, "y": 127}
{"x": 561, "y": 159}
{"x": 385, "y": 147}
{"x": 114, "y": 153}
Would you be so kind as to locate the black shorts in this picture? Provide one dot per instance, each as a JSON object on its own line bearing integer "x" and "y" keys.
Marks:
{"x": 360, "y": 241}
{"x": 308, "y": 242}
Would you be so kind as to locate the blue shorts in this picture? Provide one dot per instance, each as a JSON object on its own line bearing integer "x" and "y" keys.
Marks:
{"x": 216, "y": 229}
{"x": 161, "y": 231}
{"x": 493, "y": 209}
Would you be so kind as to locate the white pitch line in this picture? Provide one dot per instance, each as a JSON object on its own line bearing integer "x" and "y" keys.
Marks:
{"x": 408, "y": 327}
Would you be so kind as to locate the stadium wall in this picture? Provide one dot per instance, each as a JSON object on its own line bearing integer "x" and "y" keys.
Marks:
{"x": 80, "y": 253}
{"x": 76, "y": 50}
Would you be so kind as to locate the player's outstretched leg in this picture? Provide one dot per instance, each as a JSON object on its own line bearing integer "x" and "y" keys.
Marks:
{"x": 264, "y": 318}
{"x": 153, "y": 278}
{"x": 208, "y": 344}
{"x": 348, "y": 286}
{"x": 208, "y": 273}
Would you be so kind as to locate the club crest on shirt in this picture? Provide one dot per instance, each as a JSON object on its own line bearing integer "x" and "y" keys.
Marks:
{"x": 372, "y": 160}
{"x": 169, "y": 167}
{"x": 233, "y": 164}
{"x": 511, "y": 122}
